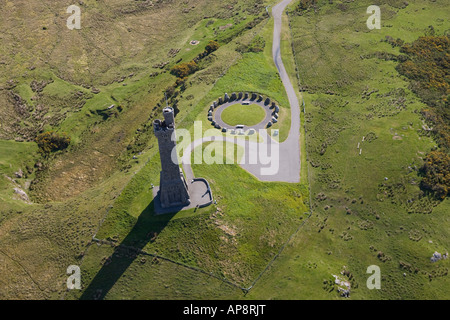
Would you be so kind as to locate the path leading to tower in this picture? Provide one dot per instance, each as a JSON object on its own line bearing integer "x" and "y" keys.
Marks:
{"x": 289, "y": 150}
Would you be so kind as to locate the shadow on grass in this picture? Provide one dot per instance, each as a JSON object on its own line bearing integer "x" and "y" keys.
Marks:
{"x": 146, "y": 229}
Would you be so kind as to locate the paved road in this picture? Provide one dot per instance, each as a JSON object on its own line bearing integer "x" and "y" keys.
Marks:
{"x": 290, "y": 148}
{"x": 288, "y": 167}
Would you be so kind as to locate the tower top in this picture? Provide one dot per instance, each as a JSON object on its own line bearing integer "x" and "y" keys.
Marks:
{"x": 168, "y": 123}
{"x": 169, "y": 116}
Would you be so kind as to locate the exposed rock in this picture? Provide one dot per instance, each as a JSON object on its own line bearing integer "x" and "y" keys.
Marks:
{"x": 19, "y": 174}
{"x": 436, "y": 257}
{"x": 22, "y": 195}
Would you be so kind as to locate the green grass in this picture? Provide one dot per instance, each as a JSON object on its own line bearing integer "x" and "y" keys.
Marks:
{"x": 15, "y": 156}
{"x": 86, "y": 179}
{"x": 361, "y": 213}
{"x": 248, "y": 115}
{"x": 234, "y": 239}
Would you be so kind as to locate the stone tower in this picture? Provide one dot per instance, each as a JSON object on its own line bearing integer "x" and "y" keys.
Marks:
{"x": 173, "y": 189}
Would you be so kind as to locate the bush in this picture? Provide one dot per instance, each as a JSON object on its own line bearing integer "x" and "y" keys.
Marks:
{"x": 211, "y": 46}
{"x": 51, "y": 141}
{"x": 306, "y": 4}
{"x": 184, "y": 69}
{"x": 426, "y": 66}
{"x": 436, "y": 172}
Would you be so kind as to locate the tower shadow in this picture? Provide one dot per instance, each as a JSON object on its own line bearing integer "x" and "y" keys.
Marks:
{"x": 146, "y": 230}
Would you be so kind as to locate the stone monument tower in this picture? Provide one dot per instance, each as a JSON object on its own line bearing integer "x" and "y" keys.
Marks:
{"x": 173, "y": 189}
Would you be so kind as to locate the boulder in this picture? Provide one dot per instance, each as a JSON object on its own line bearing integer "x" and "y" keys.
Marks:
{"x": 22, "y": 195}
{"x": 19, "y": 174}
{"x": 436, "y": 257}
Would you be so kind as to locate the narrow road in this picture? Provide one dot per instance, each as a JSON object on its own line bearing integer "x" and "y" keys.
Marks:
{"x": 289, "y": 151}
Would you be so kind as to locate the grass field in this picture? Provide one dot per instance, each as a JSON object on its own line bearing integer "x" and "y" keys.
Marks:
{"x": 248, "y": 115}
{"x": 80, "y": 184}
{"x": 234, "y": 239}
{"x": 367, "y": 208}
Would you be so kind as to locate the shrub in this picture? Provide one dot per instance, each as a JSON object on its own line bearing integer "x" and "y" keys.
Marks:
{"x": 51, "y": 141}
{"x": 184, "y": 69}
{"x": 306, "y": 4}
{"x": 426, "y": 66}
{"x": 211, "y": 46}
{"x": 436, "y": 174}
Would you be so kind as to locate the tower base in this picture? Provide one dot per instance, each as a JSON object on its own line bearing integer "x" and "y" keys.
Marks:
{"x": 200, "y": 196}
